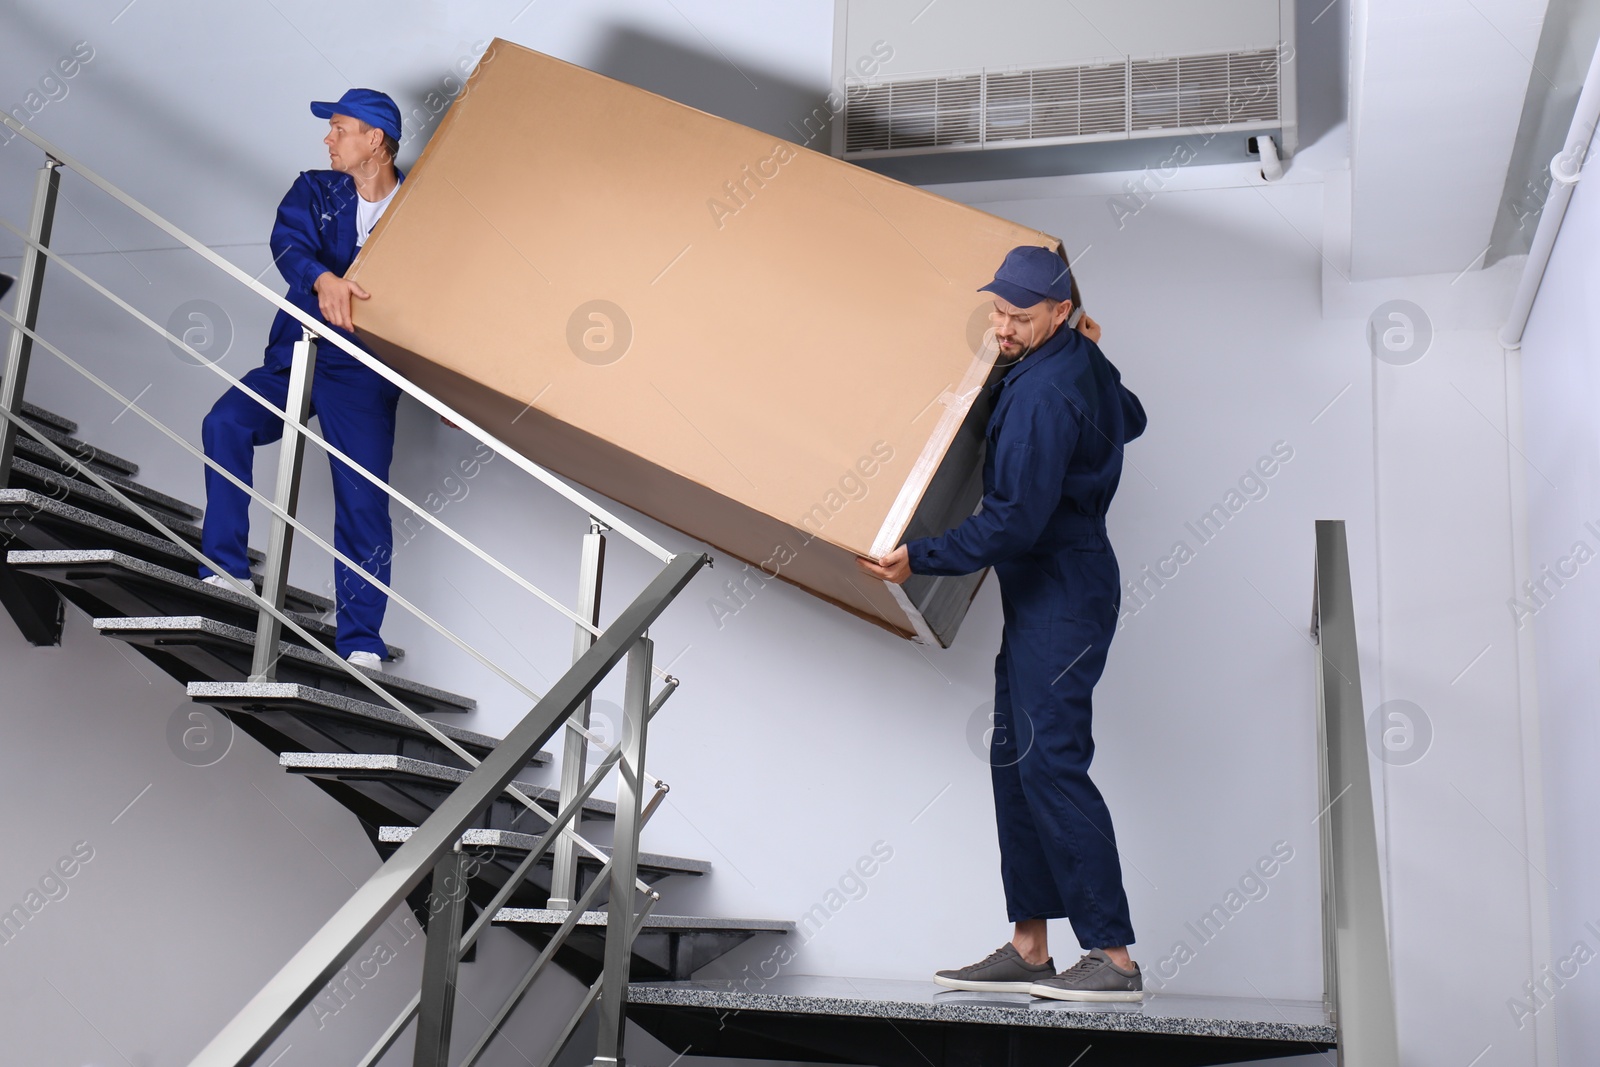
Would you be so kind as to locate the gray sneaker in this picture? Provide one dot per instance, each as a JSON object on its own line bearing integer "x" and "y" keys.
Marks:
{"x": 1093, "y": 978}
{"x": 1002, "y": 971}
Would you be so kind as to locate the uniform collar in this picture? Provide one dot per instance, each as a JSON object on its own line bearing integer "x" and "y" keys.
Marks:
{"x": 1059, "y": 341}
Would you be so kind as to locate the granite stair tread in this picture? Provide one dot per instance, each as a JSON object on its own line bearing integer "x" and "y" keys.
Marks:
{"x": 44, "y": 417}
{"x": 83, "y": 493}
{"x": 668, "y": 946}
{"x": 513, "y": 841}
{"x": 86, "y": 452}
{"x": 305, "y": 700}
{"x": 138, "y": 587}
{"x": 43, "y": 522}
{"x": 218, "y": 652}
{"x": 916, "y": 1023}
{"x": 387, "y": 767}
{"x": 657, "y": 923}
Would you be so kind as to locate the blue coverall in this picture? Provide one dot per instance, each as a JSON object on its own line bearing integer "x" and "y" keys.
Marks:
{"x": 315, "y": 232}
{"x": 1053, "y": 459}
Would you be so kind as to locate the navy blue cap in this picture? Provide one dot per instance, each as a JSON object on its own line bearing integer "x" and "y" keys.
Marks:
{"x": 368, "y": 105}
{"x": 1030, "y": 274}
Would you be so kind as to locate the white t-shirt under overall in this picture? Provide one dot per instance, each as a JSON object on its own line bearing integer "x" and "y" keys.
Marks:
{"x": 368, "y": 213}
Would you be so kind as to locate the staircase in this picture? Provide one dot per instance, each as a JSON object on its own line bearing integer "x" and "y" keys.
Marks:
{"x": 77, "y": 527}
{"x": 106, "y": 560}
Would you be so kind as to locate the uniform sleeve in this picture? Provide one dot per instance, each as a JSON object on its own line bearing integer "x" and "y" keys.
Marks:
{"x": 1133, "y": 417}
{"x": 296, "y": 237}
{"x": 1031, "y": 453}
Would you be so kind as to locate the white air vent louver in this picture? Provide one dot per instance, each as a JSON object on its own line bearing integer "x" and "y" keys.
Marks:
{"x": 1055, "y": 105}
{"x": 920, "y": 113}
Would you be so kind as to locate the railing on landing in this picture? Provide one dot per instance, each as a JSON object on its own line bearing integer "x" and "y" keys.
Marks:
{"x": 1357, "y": 988}
{"x": 434, "y": 845}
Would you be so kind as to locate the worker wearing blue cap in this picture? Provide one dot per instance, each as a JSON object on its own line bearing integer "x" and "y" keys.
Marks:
{"x": 1060, "y": 418}
{"x": 322, "y": 222}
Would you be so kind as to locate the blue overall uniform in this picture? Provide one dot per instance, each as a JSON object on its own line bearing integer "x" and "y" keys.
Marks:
{"x": 1054, "y": 456}
{"x": 315, "y": 231}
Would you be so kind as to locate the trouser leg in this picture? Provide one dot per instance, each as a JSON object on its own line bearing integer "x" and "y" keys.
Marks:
{"x": 356, "y": 410}
{"x": 1052, "y": 678}
{"x": 230, "y": 433}
{"x": 1030, "y": 884}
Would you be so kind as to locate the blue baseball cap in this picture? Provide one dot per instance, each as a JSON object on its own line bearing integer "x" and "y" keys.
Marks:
{"x": 1030, "y": 274}
{"x": 368, "y": 105}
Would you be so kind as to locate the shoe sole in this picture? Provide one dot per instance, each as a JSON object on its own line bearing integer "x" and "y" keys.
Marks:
{"x": 983, "y": 987}
{"x": 1091, "y": 996}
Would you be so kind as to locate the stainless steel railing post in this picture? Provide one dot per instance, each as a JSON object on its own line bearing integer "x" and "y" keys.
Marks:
{"x": 1355, "y": 926}
{"x": 624, "y": 858}
{"x": 275, "y": 578}
{"x": 575, "y": 748}
{"x": 30, "y": 285}
{"x": 447, "y": 904}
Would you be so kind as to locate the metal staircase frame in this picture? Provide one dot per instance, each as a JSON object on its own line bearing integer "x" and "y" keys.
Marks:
{"x": 434, "y": 847}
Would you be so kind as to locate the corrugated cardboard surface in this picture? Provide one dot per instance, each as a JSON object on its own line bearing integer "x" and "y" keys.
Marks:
{"x": 800, "y": 341}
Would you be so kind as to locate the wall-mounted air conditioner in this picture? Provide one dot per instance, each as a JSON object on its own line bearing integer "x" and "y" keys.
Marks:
{"x": 918, "y": 78}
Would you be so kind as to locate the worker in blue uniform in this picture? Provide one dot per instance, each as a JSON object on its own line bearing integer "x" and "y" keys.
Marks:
{"x": 1060, "y": 418}
{"x": 322, "y": 222}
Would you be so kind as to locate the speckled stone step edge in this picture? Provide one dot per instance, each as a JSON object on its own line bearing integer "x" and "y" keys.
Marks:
{"x": 657, "y": 923}
{"x": 294, "y": 693}
{"x": 78, "y": 517}
{"x": 87, "y": 491}
{"x": 199, "y": 625}
{"x": 36, "y": 414}
{"x": 513, "y": 841}
{"x": 149, "y": 497}
{"x": 416, "y": 768}
{"x": 924, "y": 1002}
{"x": 110, "y": 557}
{"x": 83, "y": 450}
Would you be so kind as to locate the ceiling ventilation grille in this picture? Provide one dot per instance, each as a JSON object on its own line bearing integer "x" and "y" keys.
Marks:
{"x": 1107, "y": 101}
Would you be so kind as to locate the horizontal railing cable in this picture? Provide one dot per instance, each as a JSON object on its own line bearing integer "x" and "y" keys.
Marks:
{"x": 313, "y": 438}
{"x": 487, "y": 913}
{"x": 323, "y": 331}
{"x": 245, "y": 589}
{"x": 304, "y": 430}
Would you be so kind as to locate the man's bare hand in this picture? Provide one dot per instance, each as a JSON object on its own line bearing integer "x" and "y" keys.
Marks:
{"x": 896, "y": 566}
{"x": 333, "y": 298}
{"x": 1089, "y": 328}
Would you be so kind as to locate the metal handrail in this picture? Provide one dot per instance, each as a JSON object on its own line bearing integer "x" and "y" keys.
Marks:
{"x": 323, "y": 331}
{"x": 301, "y": 427}
{"x": 1358, "y": 989}
{"x": 271, "y": 1010}
{"x": 595, "y": 653}
{"x": 278, "y": 613}
{"x": 270, "y": 609}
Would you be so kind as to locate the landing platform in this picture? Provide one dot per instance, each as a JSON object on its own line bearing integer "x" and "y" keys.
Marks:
{"x": 889, "y": 1022}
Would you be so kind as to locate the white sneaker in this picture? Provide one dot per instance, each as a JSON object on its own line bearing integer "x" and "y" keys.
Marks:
{"x": 370, "y": 660}
{"x": 217, "y": 580}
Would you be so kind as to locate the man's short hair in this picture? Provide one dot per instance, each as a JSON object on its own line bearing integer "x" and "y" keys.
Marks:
{"x": 391, "y": 147}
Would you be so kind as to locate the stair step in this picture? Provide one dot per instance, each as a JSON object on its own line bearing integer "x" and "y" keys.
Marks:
{"x": 884, "y": 1021}
{"x": 209, "y": 651}
{"x": 113, "y": 582}
{"x": 43, "y": 522}
{"x": 668, "y": 946}
{"x": 344, "y": 718}
{"x": 50, "y": 480}
{"x": 412, "y": 789}
{"x": 41, "y": 417}
{"x": 83, "y": 450}
{"x": 654, "y": 864}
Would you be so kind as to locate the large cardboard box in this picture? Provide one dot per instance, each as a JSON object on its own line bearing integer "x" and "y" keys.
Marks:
{"x": 774, "y": 351}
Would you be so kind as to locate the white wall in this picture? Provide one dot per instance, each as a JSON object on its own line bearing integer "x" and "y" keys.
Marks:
{"x": 1561, "y": 394}
{"x": 802, "y": 736}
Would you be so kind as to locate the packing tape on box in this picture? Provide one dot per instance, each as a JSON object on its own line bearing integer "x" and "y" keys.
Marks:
{"x": 955, "y": 402}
